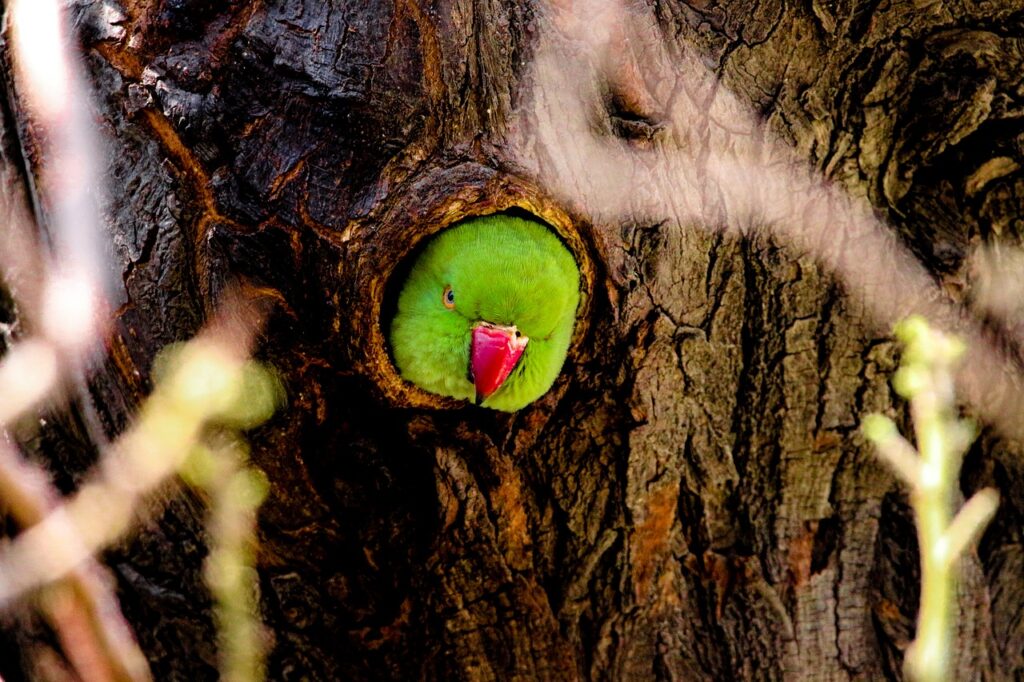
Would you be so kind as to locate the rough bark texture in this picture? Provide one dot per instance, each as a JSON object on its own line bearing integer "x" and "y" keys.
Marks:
{"x": 692, "y": 500}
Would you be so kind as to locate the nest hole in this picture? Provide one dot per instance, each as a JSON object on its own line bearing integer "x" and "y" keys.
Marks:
{"x": 405, "y": 394}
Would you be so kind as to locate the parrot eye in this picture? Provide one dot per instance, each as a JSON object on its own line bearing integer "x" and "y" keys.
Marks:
{"x": 448, "y": 298}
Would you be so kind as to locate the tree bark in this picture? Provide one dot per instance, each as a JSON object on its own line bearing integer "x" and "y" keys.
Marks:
{"x": 693, "y": 499}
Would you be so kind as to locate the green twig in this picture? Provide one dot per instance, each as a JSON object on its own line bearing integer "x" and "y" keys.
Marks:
{"x": 932, "y": 472}
{"x": 236, "y": 491}
{"x": 203, "y": 387}
{"x": 83, "y": 607}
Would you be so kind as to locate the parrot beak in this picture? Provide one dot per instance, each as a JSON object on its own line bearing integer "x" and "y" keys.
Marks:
{"x": 494, "y": 352}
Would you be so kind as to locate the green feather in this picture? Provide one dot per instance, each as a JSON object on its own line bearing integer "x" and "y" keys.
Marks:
{"x": 501, "y": 269}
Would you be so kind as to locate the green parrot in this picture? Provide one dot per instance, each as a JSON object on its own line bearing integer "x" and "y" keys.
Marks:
{"x": 487, "y": 312}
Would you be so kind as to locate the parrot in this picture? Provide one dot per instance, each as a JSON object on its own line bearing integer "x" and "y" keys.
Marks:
{"x": 487, "y": 312}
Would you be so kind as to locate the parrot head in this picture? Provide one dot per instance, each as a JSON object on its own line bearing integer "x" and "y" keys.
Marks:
{"x": 487, "y": 311}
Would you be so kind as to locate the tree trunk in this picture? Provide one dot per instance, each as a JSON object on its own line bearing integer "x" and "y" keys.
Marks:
{"x": 693, "y": 499}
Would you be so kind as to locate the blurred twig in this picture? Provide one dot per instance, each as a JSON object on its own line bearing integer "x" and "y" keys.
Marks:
{"x": 50, "y": 84}
{"x": 205, "y": 384}
{"x": 704, "y": 159}
{"x": 62, "y": 296}
{"x": 236, "y": 491}
{"x": 62, "y": 302}
{"x": 200, "y": 383}
{"x": 82, "y": 608}
{"x": 932, "y": 472}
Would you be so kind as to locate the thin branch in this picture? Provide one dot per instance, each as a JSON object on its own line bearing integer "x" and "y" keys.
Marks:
{"x": 28, "y": 373}
{"x": 895, "y": 450}
{"x": 204, "y": 383}
{"x": 971, "y": 521}
{"x": 235, "y": 491}
{"x": 925, "y": 378}
{"x": 83, "y": 608}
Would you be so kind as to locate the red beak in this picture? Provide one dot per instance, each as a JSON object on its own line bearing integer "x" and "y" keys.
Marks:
{"x": 493, "y": 355}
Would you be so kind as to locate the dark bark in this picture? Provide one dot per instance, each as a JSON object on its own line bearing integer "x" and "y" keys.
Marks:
{"x": 693, "y": 499}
